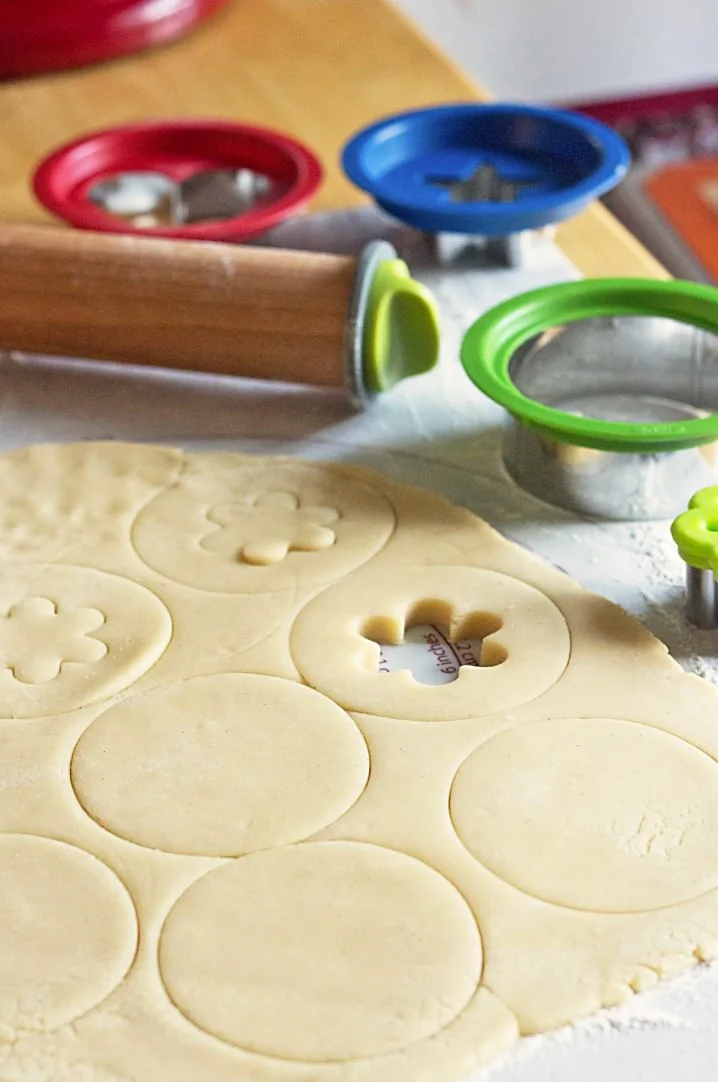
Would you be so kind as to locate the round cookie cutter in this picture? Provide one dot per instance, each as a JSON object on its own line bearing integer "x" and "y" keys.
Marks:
{"x": 187, "y": 179}
{"x": 485, "y": 171}
{"x": 52, "y": 35}
{"x": 613, "y": 388}
{"x": 695, "y": 533}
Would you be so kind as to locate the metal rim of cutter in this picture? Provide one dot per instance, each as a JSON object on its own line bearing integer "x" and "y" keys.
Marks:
{"x": 695, "y": 533}
{"x": 492, "y": 341}
{"x": 207, "y": 195}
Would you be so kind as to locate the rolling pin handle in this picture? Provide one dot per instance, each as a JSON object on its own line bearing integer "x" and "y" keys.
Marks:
{"x": 392, "y": 326}
{"x": 303, "y": 317}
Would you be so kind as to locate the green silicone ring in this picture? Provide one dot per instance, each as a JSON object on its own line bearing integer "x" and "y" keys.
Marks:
{"x": 493, "y": 339}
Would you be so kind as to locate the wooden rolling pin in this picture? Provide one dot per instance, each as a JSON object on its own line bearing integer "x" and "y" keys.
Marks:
{"x": 264, "y": 313}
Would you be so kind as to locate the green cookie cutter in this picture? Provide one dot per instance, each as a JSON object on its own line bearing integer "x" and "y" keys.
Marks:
{"x": 695, "y": 532}
{"x": 491, "y": 343}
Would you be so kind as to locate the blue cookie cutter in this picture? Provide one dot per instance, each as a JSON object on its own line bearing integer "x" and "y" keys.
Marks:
{"x": 488, "y": 170}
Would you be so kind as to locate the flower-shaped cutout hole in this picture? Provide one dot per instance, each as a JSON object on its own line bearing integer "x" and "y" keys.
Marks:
{"x": 332, "y": 645}
{"x": 66, "y": 635}
{"x": 263, "y": 531}
{"x": 433, "y": 643}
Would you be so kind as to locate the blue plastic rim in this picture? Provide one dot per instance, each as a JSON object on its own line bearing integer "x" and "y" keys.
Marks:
{"x": 560, "y": 160}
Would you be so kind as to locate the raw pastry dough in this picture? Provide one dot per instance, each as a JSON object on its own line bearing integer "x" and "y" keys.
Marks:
{"x": 252, "y": 529}
{"x": 325, "y": 952}
{"x": 220, "y": 765}
{"x": 70, "y": 636}
{"x": 67, "y": 933}
{"x": 644, "y": 814}
{"x": 209, "y": 869}
{"x": 60, "y": 501}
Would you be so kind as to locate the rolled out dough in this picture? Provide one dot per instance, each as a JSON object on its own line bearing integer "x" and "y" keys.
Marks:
{"x": 231, "y": 848}
{"x": 395, "y": 957}
{"x": 220, "y": 765}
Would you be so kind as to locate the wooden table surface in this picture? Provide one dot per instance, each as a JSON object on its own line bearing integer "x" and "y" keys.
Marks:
{"x": 319, "y": 69}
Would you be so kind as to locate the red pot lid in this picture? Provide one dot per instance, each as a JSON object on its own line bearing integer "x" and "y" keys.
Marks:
{"x": 49, "y": 35}
{"x": 138, "y": 162}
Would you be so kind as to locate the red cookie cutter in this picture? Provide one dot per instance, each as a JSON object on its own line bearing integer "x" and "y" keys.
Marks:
{"x": 210, "y": 180}
{"x": 51, "y": 35}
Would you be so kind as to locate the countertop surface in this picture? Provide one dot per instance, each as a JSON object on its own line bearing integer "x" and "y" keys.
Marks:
{"x": 318, "y": 69}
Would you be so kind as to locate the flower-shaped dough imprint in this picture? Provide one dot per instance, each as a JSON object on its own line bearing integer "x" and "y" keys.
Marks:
{"x": 64, "y": 632}
{"x": 70, "y": 636}
{"x": 264, "y": 530}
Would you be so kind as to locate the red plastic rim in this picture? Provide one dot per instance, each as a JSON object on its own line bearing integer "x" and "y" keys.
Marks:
{"x": 51, "y": 35}
{"x": 178, "y": 149}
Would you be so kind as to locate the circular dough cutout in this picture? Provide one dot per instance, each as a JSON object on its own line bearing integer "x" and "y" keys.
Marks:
{"x": 220, "y": 765}
{"x": 592, "y": 814}
{"x": 68, "y": 932}
{"x": 70, "y": 636}
{"x": 333, "y": 652}
{"x": 262, "y": 529}
{"x": 327, "y": 951}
